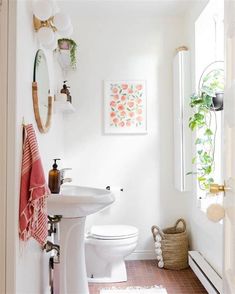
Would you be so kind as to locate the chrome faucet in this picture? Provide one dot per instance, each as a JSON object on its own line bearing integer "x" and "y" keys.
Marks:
{"x": 62, "y": 178}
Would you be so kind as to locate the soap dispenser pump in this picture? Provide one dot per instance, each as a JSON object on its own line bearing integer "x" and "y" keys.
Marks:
{"x": 54, "y": 178}
{"x": 65, "y": 90}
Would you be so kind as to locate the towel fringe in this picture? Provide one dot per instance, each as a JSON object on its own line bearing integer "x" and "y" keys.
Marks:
{"x": 37, "y": 206}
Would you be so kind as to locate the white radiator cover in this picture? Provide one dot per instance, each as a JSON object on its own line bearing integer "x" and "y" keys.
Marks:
{"x": 182, "y": 133}
{"x": 209, "y": 278}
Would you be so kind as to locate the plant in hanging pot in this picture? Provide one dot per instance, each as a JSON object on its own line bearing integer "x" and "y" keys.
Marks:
{"x": 213, "y": 86}
{"x": 204, "y": 104}
{"x": 71, "y": 46}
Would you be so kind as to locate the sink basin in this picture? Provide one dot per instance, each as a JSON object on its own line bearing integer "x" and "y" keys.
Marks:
{"x": 76, "y": 201}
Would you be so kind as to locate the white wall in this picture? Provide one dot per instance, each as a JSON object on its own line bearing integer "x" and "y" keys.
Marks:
{"x": 207, "y": 236}
{"x": 31, "y": 263}
{"x": 112, "y": 47}
{"x": 117, "y": 47}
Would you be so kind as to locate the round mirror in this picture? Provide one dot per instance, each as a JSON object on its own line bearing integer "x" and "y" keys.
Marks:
{"x": 42, "y": 101}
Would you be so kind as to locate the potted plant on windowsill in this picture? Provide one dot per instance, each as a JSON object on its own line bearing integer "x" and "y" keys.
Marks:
{"x": 70, "y": 46}
{"x": 204, "y": 104}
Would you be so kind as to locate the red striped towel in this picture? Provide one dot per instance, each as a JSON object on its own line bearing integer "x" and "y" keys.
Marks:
{"x": 33, "y": 191}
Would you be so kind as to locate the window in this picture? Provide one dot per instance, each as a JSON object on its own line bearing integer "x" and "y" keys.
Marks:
{"x": 209, "y": 47}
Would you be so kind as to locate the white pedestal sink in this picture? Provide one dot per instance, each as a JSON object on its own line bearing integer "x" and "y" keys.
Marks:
{"x": 74, "y": 203}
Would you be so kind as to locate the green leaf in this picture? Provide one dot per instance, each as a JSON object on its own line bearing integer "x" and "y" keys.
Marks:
{"x": 192, "y": 125}
{"x": 208, "y": 132}
{"x": 206, "y": 186}
{"x": 191, "y": 173}
{"x": 208, "y": 170}
{"x": 198, "y": 116}
{"x": 194, "y": 160}
{"x": 196, "y": 102}
{"x": 206, "y": 158}
{"x": 198, "y": 141}
{"x": 208, "y": 101}
{"x": 207, "y": 91}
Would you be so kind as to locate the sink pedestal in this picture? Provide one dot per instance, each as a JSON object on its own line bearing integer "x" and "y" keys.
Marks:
{"x": 73, "y": 277}
{"x": 74, "y": 203}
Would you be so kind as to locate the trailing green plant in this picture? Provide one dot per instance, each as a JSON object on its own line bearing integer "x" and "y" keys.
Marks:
{"x": 73, "y": 50}
{"x": 203, "y": 121}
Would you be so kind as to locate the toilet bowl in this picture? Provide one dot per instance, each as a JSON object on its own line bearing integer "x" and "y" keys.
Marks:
{"x": 105, "y": 250}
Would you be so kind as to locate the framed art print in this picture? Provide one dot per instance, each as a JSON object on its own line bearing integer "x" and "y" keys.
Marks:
{"x": 125, "y": 107}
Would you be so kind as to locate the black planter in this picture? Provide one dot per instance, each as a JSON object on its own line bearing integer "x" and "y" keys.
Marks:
{"x": 217, "y": 102}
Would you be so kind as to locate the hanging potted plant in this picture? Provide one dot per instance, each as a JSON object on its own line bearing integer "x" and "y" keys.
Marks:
{"x": 213, "y": 86}
{"x": 204, "y": 104}
{"x": 71, "y": 46}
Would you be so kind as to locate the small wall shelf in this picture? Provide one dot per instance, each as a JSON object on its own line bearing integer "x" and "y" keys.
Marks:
{"x": 66, "y": 107}
{"x": 64, "y": 59}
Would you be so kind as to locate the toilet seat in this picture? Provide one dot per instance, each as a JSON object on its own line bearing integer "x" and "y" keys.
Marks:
{"x": 113, "y": 232}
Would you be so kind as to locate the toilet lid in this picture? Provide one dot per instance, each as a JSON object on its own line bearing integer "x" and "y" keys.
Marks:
{"x": 111, "y": 232}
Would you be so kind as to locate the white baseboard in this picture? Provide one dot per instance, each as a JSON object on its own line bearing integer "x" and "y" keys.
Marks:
{"x": 210, "y": 279}
{"x": 142, "y": 255}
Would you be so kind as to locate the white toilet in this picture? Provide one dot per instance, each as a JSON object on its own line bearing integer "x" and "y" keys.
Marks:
{"x": 105, "y": 249}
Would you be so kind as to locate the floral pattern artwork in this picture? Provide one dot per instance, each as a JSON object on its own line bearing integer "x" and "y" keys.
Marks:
{"x": 125, "y": 107}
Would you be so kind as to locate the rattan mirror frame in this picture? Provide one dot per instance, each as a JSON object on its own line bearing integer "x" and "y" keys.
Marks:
{"x": 43, "y": 127}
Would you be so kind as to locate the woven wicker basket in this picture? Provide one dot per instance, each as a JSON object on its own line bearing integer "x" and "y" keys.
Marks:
{"x": 171, "y": 246}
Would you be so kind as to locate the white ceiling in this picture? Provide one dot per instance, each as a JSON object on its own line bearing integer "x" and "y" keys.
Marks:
{"x": 134, "y": 7}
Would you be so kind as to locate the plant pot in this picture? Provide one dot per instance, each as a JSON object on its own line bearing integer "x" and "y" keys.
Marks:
{"x": 69, "y": 46}
{"x": 64, "y": 45}
{"x": 217, "y": 102}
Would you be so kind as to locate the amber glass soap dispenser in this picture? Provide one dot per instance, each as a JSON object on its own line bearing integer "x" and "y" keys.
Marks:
{"x": 54, "y": 178}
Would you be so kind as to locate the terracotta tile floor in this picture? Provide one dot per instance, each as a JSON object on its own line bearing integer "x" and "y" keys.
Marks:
{"x": 146, "y": 273}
